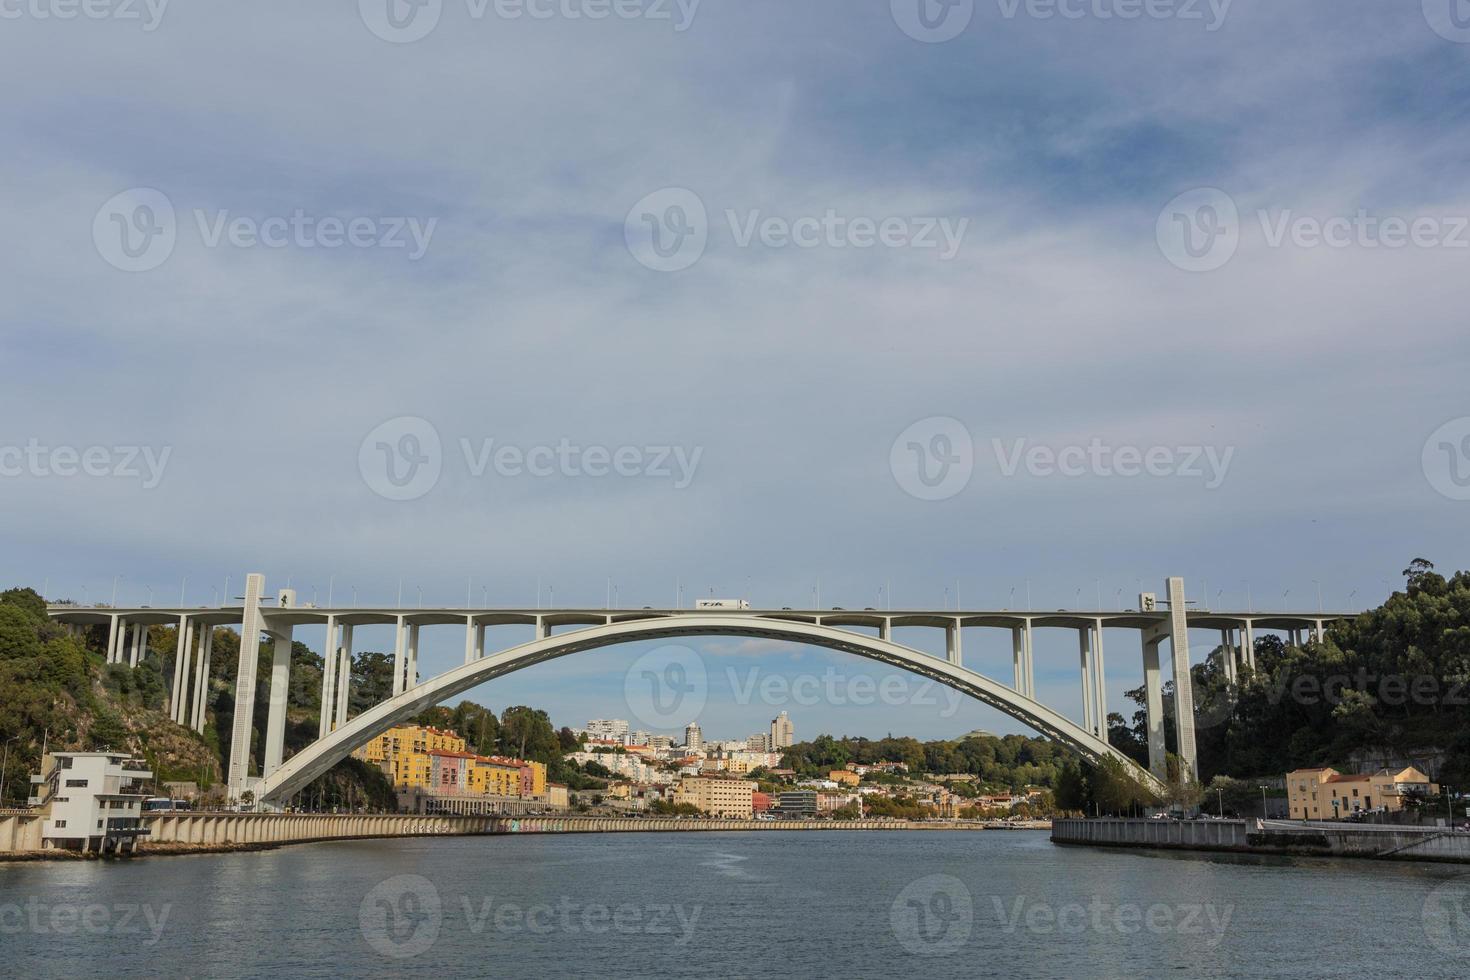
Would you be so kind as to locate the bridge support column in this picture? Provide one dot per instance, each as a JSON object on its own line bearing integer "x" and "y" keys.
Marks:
{"x": 1099, "y": 682}
{"x": 1227, "y": 655}
{"x": 329, "y": 679}
{"x": 250, "y": 627}
{"x": 181, "y": 706}
{"x": 885, "y": 629}
{"x": 201, "y": 677}
{"x": 1317, "y": 632}
{"x": 1030, "y": 667}
{"x": 952, "y": 651}
{"x": 474, "y": 640}
{"x": 113, "y": 629}
{"x": 1183, "y": 680}
{"x": 275, "y": 726}
{"x": 411, "y": 674}
{"x": 543, "y": 629}
{"x": 1018, "y": 657}
{"x": 344, "y": 677}
{"x": 140, "y": 636}
{"x": 1084, "y": 656}
{"x": 1248, "y": 644}
{"x": 1153, "y": 702}
{"x": 186, "y": 629}
{"x": 400, "y": 639}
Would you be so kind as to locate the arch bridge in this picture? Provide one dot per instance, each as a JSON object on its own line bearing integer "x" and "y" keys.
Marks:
{"x": 564, "y": 632}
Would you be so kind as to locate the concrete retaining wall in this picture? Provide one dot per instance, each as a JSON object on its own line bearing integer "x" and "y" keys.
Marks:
{"x": 20, "y": 831}
{"x": 206, "y": 831}
{"x": 1271, "y": 837}
{"x": 1192, "y": 834}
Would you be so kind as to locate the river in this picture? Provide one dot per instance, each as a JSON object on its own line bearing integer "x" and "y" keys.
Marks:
{"x": 767, "y": 905}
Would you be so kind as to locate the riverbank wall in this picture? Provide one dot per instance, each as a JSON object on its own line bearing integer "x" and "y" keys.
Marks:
{"x": 206, "y": 832}
{"x": 1293, "y": 837}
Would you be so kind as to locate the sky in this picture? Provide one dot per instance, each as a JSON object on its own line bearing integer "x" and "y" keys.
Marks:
{"x": 908, "y": 302}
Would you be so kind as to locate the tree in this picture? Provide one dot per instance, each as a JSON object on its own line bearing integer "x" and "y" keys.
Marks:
{"x": 527, "y": 733}
{"x": 1416, "y": 572}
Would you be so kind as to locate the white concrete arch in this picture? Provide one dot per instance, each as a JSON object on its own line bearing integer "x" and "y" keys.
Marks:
{"x": 297, "y": 772}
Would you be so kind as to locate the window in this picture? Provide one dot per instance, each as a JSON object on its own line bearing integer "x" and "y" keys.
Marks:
{"x": 60, "y": 824}
{"x": 76, "y": 782}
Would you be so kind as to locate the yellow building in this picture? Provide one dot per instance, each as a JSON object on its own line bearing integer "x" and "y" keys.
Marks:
{"x": 1326, "y": 794}
{"x": 403, "y": 753}
{"x": 495, "y": 777}
{"x": 719, "y": 797}
{"x": 406, "y": 756}
{"x": 844, "y": 777}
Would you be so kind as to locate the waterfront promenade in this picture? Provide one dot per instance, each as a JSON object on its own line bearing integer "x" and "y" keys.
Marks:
{"x": 203, "y": 832}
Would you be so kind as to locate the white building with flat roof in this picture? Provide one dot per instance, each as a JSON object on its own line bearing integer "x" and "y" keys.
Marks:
{"x": 614, "y": 729}
{"x": 93, "y": 801}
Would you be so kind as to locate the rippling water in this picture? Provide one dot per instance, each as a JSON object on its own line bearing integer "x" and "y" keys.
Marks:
{"x": 935, "y": 904}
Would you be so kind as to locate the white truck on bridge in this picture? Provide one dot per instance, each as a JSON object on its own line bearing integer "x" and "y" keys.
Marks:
{"x": 721, "y": 604}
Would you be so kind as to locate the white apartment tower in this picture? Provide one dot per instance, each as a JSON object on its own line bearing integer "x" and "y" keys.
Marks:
{"x": 783, "y": 735}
